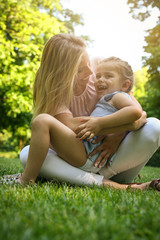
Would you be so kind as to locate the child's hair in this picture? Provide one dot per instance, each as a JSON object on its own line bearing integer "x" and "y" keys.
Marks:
{"x": 53, "y": 86}
{"x": 123, "y": 68}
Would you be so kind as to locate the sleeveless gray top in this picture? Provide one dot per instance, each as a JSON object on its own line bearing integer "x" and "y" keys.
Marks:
{"x": 103, "y": 108}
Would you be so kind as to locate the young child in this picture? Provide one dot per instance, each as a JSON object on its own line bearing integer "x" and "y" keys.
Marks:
{"x": 114, "y": 81}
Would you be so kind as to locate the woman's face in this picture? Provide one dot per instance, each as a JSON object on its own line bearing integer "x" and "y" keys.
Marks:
{"x": 84, "y": 71}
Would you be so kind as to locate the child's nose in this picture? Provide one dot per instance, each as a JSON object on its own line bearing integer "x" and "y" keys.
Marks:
{"x": 100, "y": 79}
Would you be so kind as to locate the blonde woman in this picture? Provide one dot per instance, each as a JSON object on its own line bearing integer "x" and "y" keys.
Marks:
{"x": 62, "y": 81}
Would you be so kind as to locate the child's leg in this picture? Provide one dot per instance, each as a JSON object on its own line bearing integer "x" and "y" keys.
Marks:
{"x": 134, "y": 152}
{"x": 55, "y": 167}
{"x": 45, "y": 130}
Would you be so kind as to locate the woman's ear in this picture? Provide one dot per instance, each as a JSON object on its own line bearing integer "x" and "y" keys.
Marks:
{"x": 126, "y": 84}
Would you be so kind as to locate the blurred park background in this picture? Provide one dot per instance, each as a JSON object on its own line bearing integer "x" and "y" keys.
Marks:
{"x": 25, "y": 26}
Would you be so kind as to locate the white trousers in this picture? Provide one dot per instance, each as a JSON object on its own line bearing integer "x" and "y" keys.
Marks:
{"x": 132, "y": 155}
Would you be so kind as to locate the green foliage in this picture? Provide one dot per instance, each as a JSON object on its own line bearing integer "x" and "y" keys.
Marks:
{"x": 146, "y": 92}
{"x": 25, "y": 26}
{"x": 60, "y": 211}
{"x": 141, "y": 78}
{"x": 153, "y": 64}
{"x": 142, "y": 10}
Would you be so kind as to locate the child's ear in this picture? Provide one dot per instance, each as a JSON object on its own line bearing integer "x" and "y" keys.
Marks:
{"x": 126, "y": 85}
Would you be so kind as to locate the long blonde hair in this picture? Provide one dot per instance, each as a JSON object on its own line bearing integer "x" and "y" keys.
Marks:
{"x": 53, "y": 86}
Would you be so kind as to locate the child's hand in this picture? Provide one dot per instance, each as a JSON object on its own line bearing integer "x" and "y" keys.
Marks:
{"x": 89, "y": 129}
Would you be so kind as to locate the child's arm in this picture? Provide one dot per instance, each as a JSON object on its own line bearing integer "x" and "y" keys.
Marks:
{"x": 128, "y": 112}
{"x": 134, "y": 99}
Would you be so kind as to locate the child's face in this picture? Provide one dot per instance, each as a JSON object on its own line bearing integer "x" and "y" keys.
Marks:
{"x": 107, "y": 79}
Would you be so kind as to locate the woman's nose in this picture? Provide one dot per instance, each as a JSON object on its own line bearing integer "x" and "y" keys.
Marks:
{"x": 89, "y": 70}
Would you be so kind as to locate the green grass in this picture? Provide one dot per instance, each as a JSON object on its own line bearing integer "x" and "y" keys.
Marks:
{"x": 60, "y": 211}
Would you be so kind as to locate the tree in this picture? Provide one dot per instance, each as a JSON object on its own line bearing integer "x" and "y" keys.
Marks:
{"x": 25, "y": 26}
{"x": 142, "y": 10}
{"x": 141, "y": 78}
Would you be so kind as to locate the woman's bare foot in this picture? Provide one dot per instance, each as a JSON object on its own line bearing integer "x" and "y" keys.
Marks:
{"x": 155, "y": 184}
{"x": 140, "y": 186}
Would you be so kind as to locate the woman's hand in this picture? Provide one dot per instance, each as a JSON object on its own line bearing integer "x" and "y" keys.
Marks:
{"x": 89, "y": 128}
{"x": 108, "y": 147}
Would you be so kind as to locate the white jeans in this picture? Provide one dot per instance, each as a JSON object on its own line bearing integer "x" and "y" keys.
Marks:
{"x": 132, "y": 155}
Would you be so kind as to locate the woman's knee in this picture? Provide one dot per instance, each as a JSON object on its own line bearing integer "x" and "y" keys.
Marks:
{"x": 154, "y": 125}
{"x": 152, "y": 130}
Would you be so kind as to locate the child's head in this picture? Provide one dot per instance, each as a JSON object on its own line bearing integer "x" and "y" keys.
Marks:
{"x": 113, "y": 74}
{"x": 54, "y": 80}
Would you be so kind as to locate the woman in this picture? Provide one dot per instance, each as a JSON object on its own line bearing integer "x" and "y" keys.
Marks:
{"x": 64, "y": 69}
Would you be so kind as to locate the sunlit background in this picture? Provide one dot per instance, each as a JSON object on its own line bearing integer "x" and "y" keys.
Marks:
{"x": 49, "y": 209}
{"x": 114, "y": 32}
{"x": 27, "y": 25}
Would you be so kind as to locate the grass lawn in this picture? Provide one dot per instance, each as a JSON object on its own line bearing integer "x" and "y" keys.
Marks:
{"x": 60, "y": 211}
